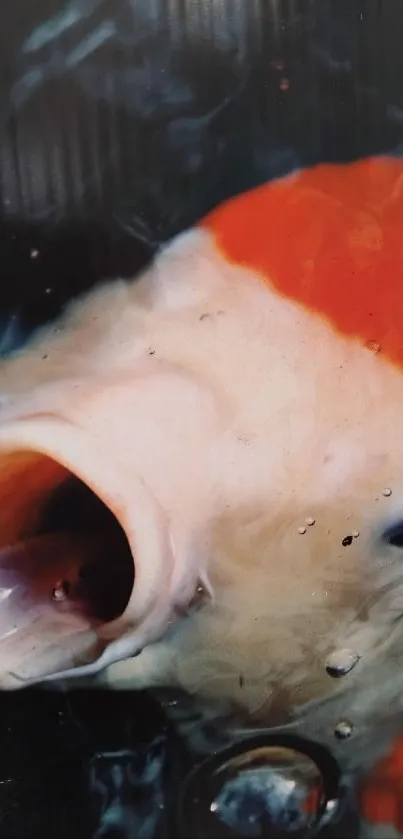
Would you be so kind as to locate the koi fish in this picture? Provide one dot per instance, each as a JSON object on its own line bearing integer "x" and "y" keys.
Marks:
{"x": 201, "y": 470}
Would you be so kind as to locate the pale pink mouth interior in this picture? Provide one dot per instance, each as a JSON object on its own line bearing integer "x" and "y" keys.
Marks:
{"x": 66, "y": 569}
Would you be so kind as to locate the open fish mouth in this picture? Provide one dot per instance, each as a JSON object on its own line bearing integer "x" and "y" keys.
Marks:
{"x": 66, "y": 571}
{"x": 74, "y": 595}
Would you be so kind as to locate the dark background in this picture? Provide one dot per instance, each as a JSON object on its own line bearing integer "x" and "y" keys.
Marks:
{"x": 121, "y": 123}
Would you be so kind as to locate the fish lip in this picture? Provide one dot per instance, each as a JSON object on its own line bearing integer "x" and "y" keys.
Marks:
{"x": 149, "y": 610}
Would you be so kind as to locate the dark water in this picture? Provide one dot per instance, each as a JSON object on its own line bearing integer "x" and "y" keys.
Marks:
{"x": 79, "y": 766}
{"x": 123, "y": 121}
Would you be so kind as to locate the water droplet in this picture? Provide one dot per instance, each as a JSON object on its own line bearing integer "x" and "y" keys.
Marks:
{"x": 387, "y": 492}
{"x": 34, "y": 253}
{"x": 355, "y": 534}
{"x": 341, "y": 662}
{"x": 302, "y": 530}
{"x": 310, "y": 521}
{"x": 374, "y": 347}
{"x": 346, "y": 541}
{"x": 343, "y": 729}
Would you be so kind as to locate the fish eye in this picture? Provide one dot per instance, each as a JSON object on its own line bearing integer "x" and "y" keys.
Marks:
{"x": 394, "y": 535}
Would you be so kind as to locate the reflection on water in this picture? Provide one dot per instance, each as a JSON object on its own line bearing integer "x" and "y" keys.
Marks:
{"x": 126, "y": 787}
{"x": 273, "y": 787}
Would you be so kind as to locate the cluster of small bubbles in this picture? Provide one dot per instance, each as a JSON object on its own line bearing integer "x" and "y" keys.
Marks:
{"x": 343, "y": 729}
{"x": 387, "y": 492}
{"x": 309, "y": 522}
{"x": 341, "y": 662}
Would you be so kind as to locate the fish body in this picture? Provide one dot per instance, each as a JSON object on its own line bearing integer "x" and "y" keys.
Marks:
{"x": 238, "y": 410}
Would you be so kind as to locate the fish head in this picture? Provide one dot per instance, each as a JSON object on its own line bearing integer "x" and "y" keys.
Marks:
{"x": 211, "y": 458}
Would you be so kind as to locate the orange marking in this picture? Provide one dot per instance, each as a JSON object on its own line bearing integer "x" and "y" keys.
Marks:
{"x": 311, "y": 804}
{"x": 331, "y": 239}
{"x": 381, "y": 795}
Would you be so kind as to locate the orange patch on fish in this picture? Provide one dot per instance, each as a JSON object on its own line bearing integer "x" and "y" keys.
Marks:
{"x": 381, "y": 795}
{"x": 331, "y": 239}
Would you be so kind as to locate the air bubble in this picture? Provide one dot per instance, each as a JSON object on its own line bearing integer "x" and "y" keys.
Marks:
{"x": 302, "y": 530}
{"x": 387, "y": 492}
{"x": 61, "y": 591}
{"x": 273, "y": 789}
{"x": 172, "y": 703}
{"x": 355, "y": 534}
{"x": 347, "y": 541}
{"x": 341, "y": 662}
{"x": 34, "y": 253}
{"x": 374, "y": 347}
{"x": 343, "y": 730}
